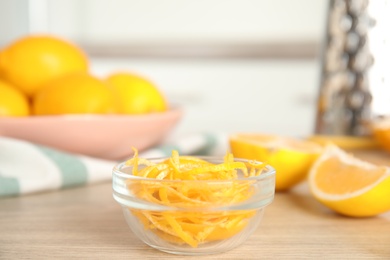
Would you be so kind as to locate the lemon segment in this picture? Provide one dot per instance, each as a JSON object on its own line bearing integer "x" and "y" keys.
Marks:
{"x": 348, "y": 185}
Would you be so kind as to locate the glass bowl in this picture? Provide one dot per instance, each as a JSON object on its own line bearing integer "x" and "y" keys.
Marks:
{"x": 191, "y": 224}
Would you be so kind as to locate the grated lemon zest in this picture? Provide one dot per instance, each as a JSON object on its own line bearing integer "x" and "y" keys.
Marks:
{"x": 193, "y": 227}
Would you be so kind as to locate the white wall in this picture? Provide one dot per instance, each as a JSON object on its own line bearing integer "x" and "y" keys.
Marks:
{"x": 210, "y": 20}
{"x": 14, "y": 20}
{"x": 167, "y": 20}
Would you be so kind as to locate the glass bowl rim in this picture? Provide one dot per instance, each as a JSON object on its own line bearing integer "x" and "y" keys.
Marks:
{"x": 116, "y": 171}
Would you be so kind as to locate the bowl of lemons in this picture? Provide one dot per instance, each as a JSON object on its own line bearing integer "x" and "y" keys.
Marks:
{"x": 50, "y": 97}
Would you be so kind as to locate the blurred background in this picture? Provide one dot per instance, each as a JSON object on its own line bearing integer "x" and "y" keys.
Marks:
{"x": 234, "y": 65}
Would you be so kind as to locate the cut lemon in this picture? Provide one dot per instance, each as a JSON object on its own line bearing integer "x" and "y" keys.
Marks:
{"x": 381, "y": 132}
{"x": 348, "y": 185}
{"x": 291, "y": 158}
{"x": 346, "y": 142}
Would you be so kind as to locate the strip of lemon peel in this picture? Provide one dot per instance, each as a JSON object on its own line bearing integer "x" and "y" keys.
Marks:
{"x": 256, "y": 167}
{"x": 136, "y": 161}
{"x": 192, "y": 227}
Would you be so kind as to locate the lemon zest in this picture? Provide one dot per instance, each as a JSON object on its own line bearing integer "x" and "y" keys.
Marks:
{"x": 193, "y": 227}
{"x": 179, "y": 231}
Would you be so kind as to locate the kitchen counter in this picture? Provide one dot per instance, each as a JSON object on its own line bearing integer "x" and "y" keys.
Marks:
{"x": 86, "y": 223}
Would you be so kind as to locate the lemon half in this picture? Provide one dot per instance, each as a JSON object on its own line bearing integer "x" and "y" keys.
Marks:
{"x": 291, "y": 157}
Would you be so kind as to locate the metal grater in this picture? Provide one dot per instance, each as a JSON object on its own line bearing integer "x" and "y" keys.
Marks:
{"x": 355, "y": 82}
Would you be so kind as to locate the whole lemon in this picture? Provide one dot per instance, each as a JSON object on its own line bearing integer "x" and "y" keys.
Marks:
{"x": 77, "y": 93}
{"x": 30, "y": 62}
{"x": 12, "y": 101}
{"x": 136, "y": 95}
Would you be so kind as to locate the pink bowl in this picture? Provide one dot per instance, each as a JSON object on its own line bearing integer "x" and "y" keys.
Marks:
{"x": 108, "y": 137}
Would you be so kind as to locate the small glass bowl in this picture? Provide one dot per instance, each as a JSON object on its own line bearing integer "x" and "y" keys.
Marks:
{"x": 192, "y": 226}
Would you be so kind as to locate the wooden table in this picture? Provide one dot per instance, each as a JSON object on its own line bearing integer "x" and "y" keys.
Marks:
{"x": 86, "y": 223}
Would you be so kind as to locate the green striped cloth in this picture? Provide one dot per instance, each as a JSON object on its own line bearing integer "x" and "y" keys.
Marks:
{"x": 29, "y": 168}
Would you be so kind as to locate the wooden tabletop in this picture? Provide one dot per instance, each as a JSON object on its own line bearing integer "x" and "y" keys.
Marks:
{"x": 86, "y": 223}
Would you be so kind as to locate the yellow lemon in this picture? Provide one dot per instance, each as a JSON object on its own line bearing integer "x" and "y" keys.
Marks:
{"x": 78, "y": 93}
{"x": 30, "y": 62}
{"x": 12, "y": 102}
{"x": 381, "y": 132}
{"x": 348, "y": 185}
{"x": 346, "y": 142}
{"x": 291, "y": 158}
{"x": 136, "y": 95}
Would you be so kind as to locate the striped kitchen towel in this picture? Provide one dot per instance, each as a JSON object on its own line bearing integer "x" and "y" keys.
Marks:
{"x": 28, "y": 168}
